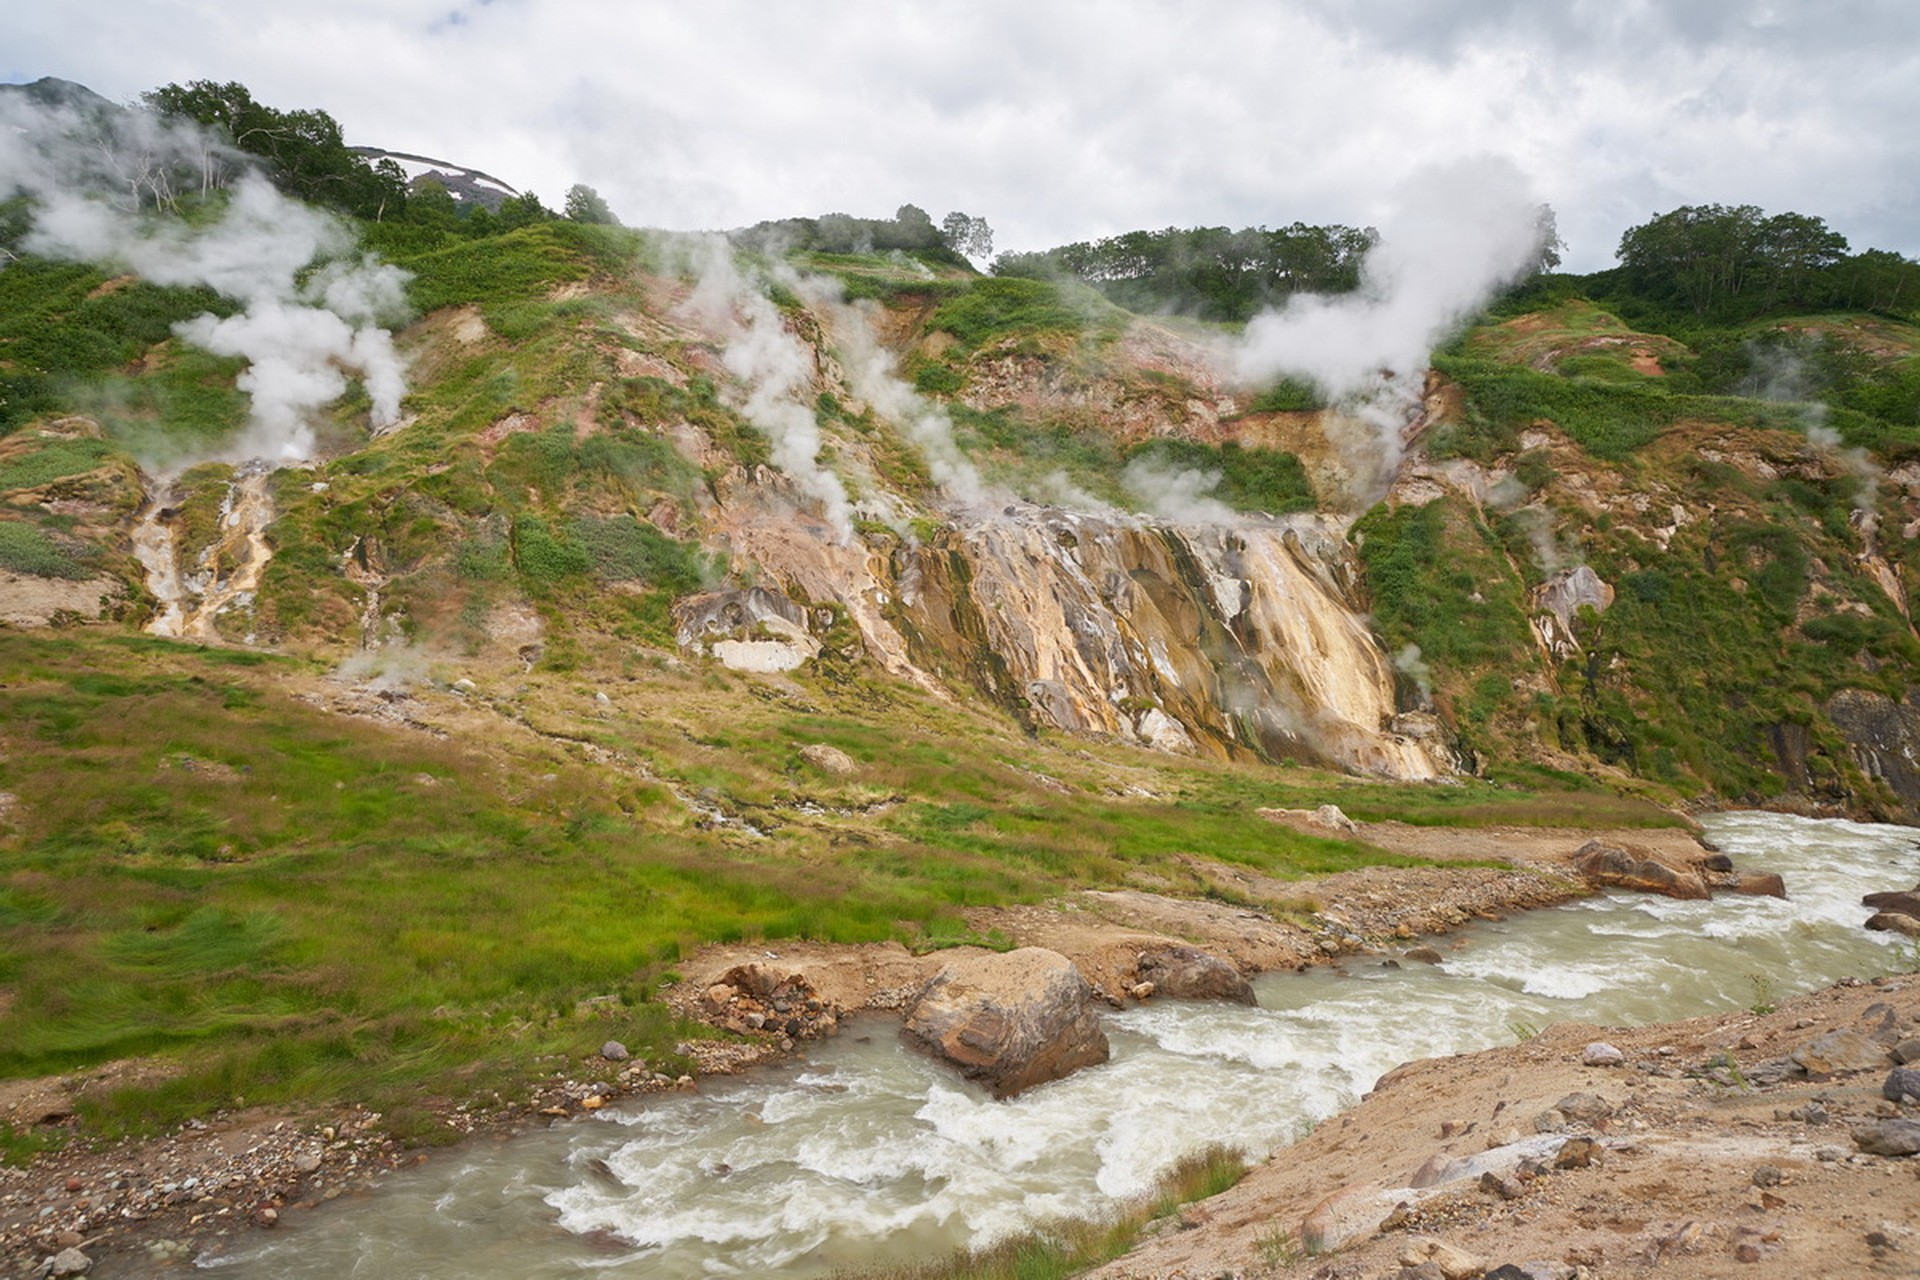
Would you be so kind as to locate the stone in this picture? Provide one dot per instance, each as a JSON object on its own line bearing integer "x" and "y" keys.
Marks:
{"x": 1894, "y": 922}
{"x": 1889, "y": 1138}
{"x": 1586, "y": 1108}
{"x": 1009, "y": 1021}
{"x": 1576, "y": 1153}
{"x": 1141, "y": 991}
{"x": 1756, "y": 884}
{"x": 1188, "y": 973}
{"x": 1601, "y": 1054}
{"x": 67, "y": 1262}
{"x": 614, "y": 1051}
{"x": 1453, "y": 1262}
{"x": 1902, "y": 1085}
{"x": 829, "y": 759}
{"x": 1906, "y": 903}
{"x": 1620, "y": 868}
{"x": 1347, "y": 1214}
{"x": 307, "y": 1161}
{"x": 1766, "y": 1176}
{"x": 1331, "y": 817}
{"x": 1907, "y": 1050}
{"x": 1425, "y": 955}
{"x": 1436, "y": 1169}
{"x": 1506, "y": 1188}
{"x": 1838, "y": 1051}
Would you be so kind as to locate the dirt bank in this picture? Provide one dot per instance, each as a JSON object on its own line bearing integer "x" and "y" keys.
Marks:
{"x": 1708, "y": 1165}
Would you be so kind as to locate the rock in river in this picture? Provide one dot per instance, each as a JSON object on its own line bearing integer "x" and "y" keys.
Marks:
{"x": 1188, "y": 973}
{"x": 1009, "y": 1021}
{"x": 1619, "y": 868}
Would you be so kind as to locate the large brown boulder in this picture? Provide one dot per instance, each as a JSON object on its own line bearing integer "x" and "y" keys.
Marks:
{"x": 1906, "y": 903}
{"x": 1009, "y": 1021}
{"x": 1188, "y": 973}
{"x": 1618, "y": 868}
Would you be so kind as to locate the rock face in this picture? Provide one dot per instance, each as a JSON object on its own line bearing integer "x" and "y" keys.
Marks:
{"x": 1885, "y": 737}
{"x": 1094, "y": 625}
{"x": 1620, "y": 868}
{"x": 1009, "y": 1021}
{"x": 1188, "y": 973}
{"x": 1558, "y": 601}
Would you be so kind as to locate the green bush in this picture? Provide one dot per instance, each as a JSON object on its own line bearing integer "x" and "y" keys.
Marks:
{"x": 1251, "y": 479}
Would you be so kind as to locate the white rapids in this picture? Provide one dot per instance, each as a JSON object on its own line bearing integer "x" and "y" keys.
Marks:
{"x": 867, "y": 1154}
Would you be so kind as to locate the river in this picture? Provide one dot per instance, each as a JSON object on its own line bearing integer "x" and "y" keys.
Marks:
{"x": 866, "y": 1153}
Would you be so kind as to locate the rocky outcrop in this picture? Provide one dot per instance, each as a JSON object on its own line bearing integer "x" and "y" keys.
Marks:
{"x": 1885, "y": 738}
{"x": 1216, "y": 641}
{"x": 1620, "y": 868}
{"x": 1557, "y": 602}
{"x": 1188, "y": 973}
{"x": 1009, "y": 1021}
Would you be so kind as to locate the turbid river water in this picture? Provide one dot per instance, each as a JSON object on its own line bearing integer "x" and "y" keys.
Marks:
{"x": 866, "y": 1153}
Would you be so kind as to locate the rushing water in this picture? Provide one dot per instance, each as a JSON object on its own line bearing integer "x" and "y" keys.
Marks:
{"x": 867, "y": 1153}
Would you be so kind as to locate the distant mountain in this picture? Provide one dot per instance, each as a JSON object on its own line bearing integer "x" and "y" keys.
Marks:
{"x": 52, "y": 91}
{"x": 468, "y": 186}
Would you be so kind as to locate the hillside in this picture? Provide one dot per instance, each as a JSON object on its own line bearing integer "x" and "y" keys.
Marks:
{"x": 387, "y": 709}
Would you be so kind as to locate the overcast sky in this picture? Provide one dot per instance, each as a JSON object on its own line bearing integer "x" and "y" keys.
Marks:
{"x": 1067, "y": 121}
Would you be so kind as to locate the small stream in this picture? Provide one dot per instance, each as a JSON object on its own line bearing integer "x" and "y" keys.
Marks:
{"x": 866, "y": 1153}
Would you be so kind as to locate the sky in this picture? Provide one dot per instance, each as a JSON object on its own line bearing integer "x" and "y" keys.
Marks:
{"x": 1058, "y": 120}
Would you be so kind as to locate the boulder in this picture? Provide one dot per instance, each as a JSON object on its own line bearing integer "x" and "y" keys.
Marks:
{"x": 828, "y": 759}
{"x": 1009, "y": 1021}
{"x": 1453, "y": 1262}
{"x": 1902, "y": 1085}
{"x": 1889, "y": 1138}
{"x": 1585, "y": 1108}
{"x": 1756, "y": 884}
{"x": 1894, "y": 922}
{"x": 1619, "y": 868}
{"x": 614, "y": 1051}
{"x": 1188, "y": 973}
{"x": 1907, "y": 902}
{"x": 1838, "y": 1051}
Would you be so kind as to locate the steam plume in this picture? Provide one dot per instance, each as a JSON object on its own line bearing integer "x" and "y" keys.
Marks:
{"x": 91, "y": 178}
{"x": 1457, "y": 234}
{"x": 777, "y": 368}
{"x": 1180, "y": 494}
{"x": 875, "y": 377}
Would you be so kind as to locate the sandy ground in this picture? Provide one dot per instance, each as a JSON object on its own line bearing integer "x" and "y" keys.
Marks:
{"x": 1704, "y": 1172}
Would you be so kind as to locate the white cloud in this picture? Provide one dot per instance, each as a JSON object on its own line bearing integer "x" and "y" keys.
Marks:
{"x": 1069, "y": 120}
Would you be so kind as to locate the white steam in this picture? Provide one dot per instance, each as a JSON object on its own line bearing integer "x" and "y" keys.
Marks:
{"x": 1458, "y": 233}
{"x": 92, "y": 181}
{"x": 1781, "y": 374}
{"x": 776, "y": 367}
{"x": 1179, "y": 494}
{"x": 874, "y": 376}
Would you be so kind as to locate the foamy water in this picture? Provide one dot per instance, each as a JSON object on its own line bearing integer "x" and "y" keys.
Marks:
{"x": 867, "y": 1153}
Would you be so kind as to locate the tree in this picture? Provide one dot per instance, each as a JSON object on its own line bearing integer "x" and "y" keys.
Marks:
{"x": 302, "y": 151}
{"x": 968, "y": 235}
{"x": 583, "y": 204}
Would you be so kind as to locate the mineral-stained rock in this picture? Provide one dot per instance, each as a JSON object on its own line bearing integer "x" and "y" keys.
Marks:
{"x": 1576, "y": 1153}
{"x": 1620, "y": 868}
{"x": 1009, "y": 1021}
{"x": 1838, "y": 1051}
{"x": 1889, "y": 1138}
{"x": 1188, "y": 973}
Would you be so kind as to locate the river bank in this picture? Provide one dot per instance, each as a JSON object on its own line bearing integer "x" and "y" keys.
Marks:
{"x": 202, "y": 1187}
